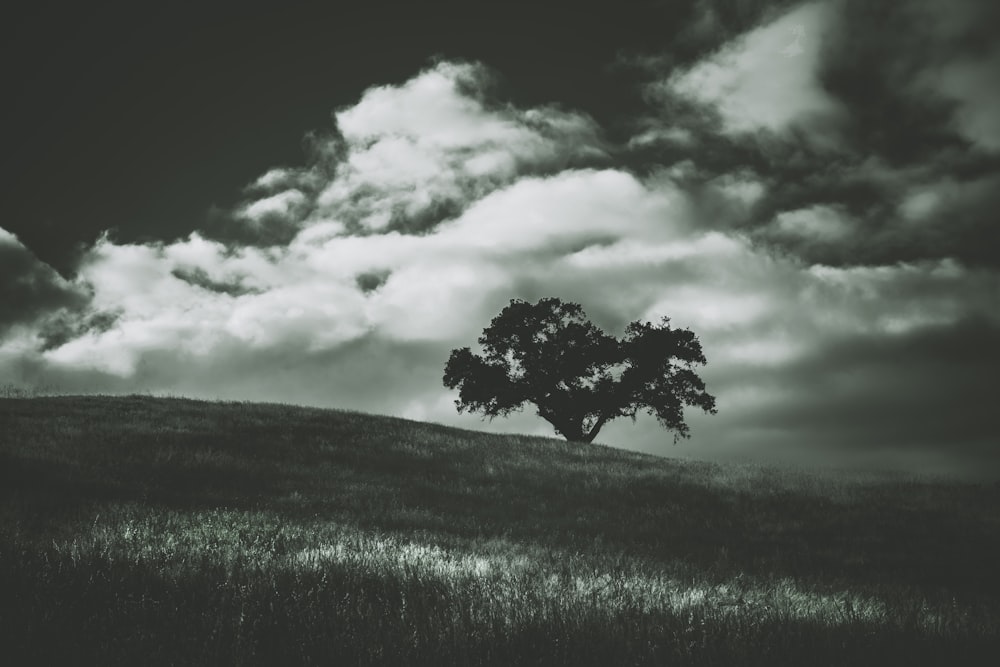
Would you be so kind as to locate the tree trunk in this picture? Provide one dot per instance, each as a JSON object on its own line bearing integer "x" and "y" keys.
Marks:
{"x": 564, "y": 427}
{"x": 573, "y": 433}
{"x": 597, "y": 429}
{"x": 572, "y": 429}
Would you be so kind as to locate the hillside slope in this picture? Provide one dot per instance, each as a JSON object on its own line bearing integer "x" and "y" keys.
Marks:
{"x": 191, "y": 532}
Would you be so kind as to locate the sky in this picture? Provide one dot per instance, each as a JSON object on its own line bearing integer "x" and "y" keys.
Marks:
{"x": 315, "y": 204}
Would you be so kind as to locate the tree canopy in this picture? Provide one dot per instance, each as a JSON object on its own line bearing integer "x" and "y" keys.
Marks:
{"x": 577, "y": 376}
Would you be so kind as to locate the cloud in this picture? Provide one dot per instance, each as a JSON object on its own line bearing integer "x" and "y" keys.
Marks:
{"x": 873, "y": 141}
{"x": 887, "y": 366}
{"x": 972, "y": 83}
{"x": 849, "y": 395}
{"x": 911, "y": 74}
{"x": 281, "y": 205}
{"x": 415, "y": 154}
{"x": 767, "y": 78}
{"x": 407, "y": 157}
{"x": 814, "y": 224}
{"x": 273, "y": 179}
{"x": 198, "y": 295}
{"x": 951, "y": 216}
{"x": 957, "y": 60}
{"x": 29, "y": 289}
{"x": 821, "y": 232}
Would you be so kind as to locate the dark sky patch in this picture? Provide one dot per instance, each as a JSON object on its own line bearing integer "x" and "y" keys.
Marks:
{"x": 372, "y": 280}
{"x": 889, "y": 68}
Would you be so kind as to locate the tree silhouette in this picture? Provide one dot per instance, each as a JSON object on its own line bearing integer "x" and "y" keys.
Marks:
{"x": 578, "y": 377}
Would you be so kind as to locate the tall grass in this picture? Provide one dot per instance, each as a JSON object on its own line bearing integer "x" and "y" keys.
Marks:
{"x": 139, "y": 530}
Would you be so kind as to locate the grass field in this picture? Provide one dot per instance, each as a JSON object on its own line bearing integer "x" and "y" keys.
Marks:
{"x": 153, "y": 531}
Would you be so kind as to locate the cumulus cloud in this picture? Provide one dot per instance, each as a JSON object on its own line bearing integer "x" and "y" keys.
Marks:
{"x": 408, "y": 157}
{"x": 197, "y": 295}
{"x": 412, "y": 155}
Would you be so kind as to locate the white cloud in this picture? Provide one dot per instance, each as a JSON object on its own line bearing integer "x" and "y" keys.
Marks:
{"x": 430, "y": 109}
{"x": 282, "y": 205}
{"x": 767, "y": 78}
{"x": 435, "y": 139}
{"x": 308, "y": 293}
{"x": 674, "y": 135}
{"x": 272, "y": 179}
{"x": 567, "y": 209}
{"x": 637, "y": 252}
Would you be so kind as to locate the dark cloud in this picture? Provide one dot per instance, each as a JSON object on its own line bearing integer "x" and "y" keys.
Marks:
{"x": 926, "y": 390}
{"x": 905, "y": 86}
{"x": 372, "y": 280}
{"x": 920, "y": 401}
{"x": 199, "y": 277}
{"x": 65, "y": 327}
{"x": 873, "y": 66}
{"x": 428, "y": 217}
{"x": 30, "y": 289}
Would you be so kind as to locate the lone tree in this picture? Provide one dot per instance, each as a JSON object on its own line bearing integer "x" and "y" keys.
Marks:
{"x": 579, "y": 378}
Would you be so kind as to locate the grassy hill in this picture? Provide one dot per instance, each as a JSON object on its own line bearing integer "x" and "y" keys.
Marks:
{"x": 139, "y": 530}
